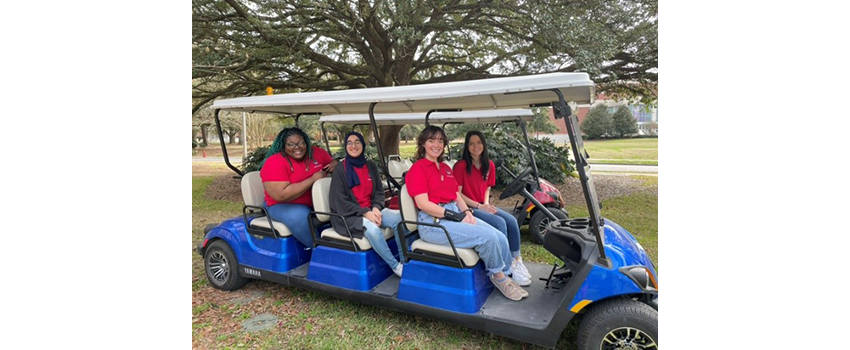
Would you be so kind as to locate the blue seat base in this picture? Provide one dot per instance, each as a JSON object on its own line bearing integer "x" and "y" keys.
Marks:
{"x": 444, "y": 287}
{"x": 353, "y": 270}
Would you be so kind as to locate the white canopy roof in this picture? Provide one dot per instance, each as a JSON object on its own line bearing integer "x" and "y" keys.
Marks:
{"x": 483, "y": 117}
{"x": 494, "y": 93}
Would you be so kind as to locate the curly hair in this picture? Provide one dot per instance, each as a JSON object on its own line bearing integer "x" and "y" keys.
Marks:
{"x": 430, "y": 132}
{"x": 279, "y": 141}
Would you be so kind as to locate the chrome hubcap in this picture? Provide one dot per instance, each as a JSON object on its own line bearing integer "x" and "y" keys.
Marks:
{"x": 627, "y": 338}
{"x": 218, "y": 266}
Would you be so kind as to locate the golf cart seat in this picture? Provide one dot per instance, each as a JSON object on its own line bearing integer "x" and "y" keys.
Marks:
{"x": 398, "y": 167}
{"x": 339, "y": 260}
{"x": 321, "y": 203}
{"x": 409, "y": 212}
{"x": 435, "y": 277}
{"x": 253, "y": 195}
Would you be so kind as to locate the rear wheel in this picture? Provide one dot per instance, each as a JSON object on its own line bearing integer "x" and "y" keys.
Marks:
{"x": 221, "y": 267}
{"x": 539, "y": 222}
{"x": 619, "y": 324}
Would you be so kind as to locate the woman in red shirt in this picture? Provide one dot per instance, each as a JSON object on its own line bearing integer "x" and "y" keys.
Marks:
{"x": 431, "y": 184}
{"x": 476, "y": 174}
{"x": 291, "y": 167}
{"x": 356, "y": 194}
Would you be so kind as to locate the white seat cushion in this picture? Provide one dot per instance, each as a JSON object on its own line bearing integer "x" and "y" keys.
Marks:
{"x": 362, "y": 243}
{"x": 409, "y": 211}
{"x": 252, "y": 189}
{"x": 321, "y": 198}
{"x": 282, "y": 230}
{"x": 468, "y": 256}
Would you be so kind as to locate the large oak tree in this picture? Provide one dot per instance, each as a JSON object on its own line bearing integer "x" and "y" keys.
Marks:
{"x": 242, "y": 46}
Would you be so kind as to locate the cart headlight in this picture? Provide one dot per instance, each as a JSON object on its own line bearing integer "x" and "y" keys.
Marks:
{"x": 641, "y": 276}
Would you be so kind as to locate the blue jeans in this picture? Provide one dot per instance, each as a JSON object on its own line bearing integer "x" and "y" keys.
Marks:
{"x": 491, "y": 245}
{"x": 505, "y": 223}
{"x": 295, "y": 217}
{"x": 389, "y": 218}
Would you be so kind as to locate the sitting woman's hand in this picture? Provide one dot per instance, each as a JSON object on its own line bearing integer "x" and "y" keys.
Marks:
{"x": 378, "y": 215}
{"x": 469, "y": 219}
{"x": 371, "y": 217}
{"x": 488, "y": 208}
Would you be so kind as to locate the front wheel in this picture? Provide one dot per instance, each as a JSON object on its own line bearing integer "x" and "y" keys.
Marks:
{"x": 619, "y": 324}
{"x": 221, "y": 267}
{"x": 540, "y": 222}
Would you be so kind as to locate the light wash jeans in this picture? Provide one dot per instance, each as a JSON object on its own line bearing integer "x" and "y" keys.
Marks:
{"x": 295, "y": 217}
{"x": 491, "y": 245}
{"x": 389, "y": 218}
{"x": 505, "y": 223}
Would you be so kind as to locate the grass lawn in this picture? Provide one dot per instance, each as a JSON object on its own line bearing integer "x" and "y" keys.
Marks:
{"x": 623, "y": 151}
{"x": 312, "y": 320}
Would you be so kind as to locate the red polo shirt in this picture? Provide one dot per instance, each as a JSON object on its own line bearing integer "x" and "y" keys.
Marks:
{"x": 474, "y": 186}
{"x": 276, "y": 168}
{"x": 363, "y": 191}
{"x": 425, "y": 177}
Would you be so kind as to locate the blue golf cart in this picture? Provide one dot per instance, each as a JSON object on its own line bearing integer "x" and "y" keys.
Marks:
{"x": 604, "y": 274}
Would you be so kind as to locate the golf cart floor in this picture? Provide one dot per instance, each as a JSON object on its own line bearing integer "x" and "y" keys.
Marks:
{"x": 535, "y": 311}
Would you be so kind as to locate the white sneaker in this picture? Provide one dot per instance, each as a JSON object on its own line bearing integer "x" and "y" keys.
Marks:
{"x": 521, "y": 273}
{"x": 397, "y": 269}
{"x": 520, "y": 280}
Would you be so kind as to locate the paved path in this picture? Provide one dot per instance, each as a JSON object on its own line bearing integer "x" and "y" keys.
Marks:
{"x": 621, "y": 168}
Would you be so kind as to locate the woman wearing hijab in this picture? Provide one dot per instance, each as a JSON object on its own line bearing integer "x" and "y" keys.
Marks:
{"x": 356, "y": 194}
{"x": 291, "y": 167}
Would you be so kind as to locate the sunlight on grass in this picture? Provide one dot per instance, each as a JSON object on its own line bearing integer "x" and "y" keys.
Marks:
{"x": 641, "y": 149}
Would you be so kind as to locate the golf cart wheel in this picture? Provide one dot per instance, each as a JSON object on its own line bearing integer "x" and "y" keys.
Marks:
{"x": 221, "y": 267}
{"x": 619, "y": 324}
{"x": 539, "y": 222}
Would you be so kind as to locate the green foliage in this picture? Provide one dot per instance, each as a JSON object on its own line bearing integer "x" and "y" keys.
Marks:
{"x": 541, "y": 123}
{"x": 508, "y": 149}
{"x": 254, "y": 160}
{"x": 624, "y": 123}
{"x": 597, "y": 123}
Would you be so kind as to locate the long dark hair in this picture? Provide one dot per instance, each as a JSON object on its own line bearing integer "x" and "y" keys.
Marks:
{"x": 430, "y": 132}
{"x": 279, "y": 141}
{"x": 467, "y": 157}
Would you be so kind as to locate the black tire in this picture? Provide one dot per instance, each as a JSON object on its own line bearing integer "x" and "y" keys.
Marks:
{"x": 221, "y": 267}
{"x": 539, "y": 221}
{"x": 619, "y": 324}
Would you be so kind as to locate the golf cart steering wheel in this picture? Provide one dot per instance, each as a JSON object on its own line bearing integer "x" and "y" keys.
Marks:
{"x": 516, "y": 186}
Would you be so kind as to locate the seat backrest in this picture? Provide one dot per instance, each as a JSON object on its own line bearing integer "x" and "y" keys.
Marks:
{"x": 321, "y": 198}
{"x": 252, "y": 189}
{"x": 450, "y": 162}
{"x": 398, "y": 167}
{"x": 408, "y": 209}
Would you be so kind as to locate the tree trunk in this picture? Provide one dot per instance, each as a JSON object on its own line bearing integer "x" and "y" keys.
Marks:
{"x": 204, "y": 141}
{"x": 389, "y": 138}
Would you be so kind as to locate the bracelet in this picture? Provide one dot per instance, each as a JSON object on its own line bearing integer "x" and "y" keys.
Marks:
{"x": 469, "y": 210}
{"x": 477, "y": 205}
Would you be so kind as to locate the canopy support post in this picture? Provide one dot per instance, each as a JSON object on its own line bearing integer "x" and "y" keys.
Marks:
{"x": 224, "y": 145}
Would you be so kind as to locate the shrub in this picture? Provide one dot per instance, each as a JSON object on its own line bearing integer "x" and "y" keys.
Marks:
{"x": 624, "y": 123}
{"x": 254, "y": 160}
{"x": 597, "y": 123}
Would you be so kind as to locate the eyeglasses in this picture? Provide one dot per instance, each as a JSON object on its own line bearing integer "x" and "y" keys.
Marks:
{"x": 353, "y": 143}
{"x": 301, "y": 144}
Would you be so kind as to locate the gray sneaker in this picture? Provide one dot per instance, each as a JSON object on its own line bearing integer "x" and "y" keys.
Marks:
{"x": 509, "y": 289}
{"x": 521, "y": 290}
